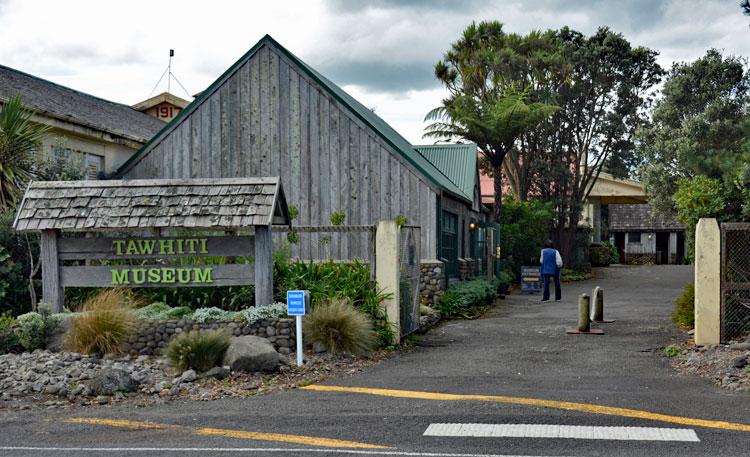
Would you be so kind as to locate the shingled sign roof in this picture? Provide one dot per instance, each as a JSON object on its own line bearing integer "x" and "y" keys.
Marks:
{"x": 154, "y": 203}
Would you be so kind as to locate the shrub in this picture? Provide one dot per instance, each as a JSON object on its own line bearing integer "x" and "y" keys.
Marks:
{"x": 671, "y": 350}
{"x": 459, "y": 299}
{"x": 525, "y": 228}
{"x": 256, "y": 313}
{"x": 600, "y": 256}
{"x": 106, "y": 322}
{"x": 162, "y": 311}
{"x": 8, "y": 339}
{"x": 684, "y": 311}
{"x": 203, "y": 315}
{"x": 35, "y": 328}
{"x": 339, "y": 326}
{"x": 199, "y": 351}
{"x": 568, "y": 275}
{"x": 614, "y": 254}
{"x": 333, "y": 280}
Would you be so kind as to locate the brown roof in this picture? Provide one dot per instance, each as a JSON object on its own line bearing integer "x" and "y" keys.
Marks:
{"x": 631, "y": 218}
{"x": 54, "y": 100}
{"x": 152, "y": 203}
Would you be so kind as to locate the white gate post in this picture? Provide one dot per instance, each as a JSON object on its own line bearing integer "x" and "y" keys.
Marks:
{"x": 707, "y": 282}
{"x": 387, "y": 272}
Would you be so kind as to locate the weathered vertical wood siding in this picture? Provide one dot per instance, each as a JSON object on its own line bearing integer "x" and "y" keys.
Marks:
{"x": 270, "y": 119}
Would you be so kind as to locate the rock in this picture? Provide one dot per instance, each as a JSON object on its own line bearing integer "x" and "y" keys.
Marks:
{"x": 56, "y": 341}
{"x": 319, "y": 348}
{"x": 217, "y": 373}
{"x": 739, "y": 362}
{"x": 188, "y": 376}
{"x": 740, "y": 347}
{"x": 102, "y": 400}
{"x": 110, "y": 380}
{"x": 251, "y": 354}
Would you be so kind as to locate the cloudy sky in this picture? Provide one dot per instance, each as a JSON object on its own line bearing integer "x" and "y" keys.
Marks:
{"x": 382, "y": 52}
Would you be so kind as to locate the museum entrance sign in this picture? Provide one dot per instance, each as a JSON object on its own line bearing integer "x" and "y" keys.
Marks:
{"x": 154, "y": 233}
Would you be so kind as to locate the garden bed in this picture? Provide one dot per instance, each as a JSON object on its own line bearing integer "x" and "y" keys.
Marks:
{"x": 727, "y": 366}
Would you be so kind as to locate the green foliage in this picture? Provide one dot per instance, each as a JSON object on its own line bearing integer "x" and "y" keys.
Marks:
{"x": 16, "y": 266}
{"x": 339, "y": 326}
{"x": 212, "y": 314}
{"x": 568, "y": 275}
{"x": 104, "y": 325}
{"x": 256, "y": 313}
{"x": 614, "y": 254}
{"x": 525, "y": 227}
{"x": 19, "y": 138}
{"x": 199, "y": 351}
{"x": 293, "y": 212}
{"x": 699, "y": 197}
{"x": 8, "y": 339}
{"x": 459, "y": 300}
{"x": 401, "y": 220}
{"x": 684, "y": 311}
{"x": 36, "y": 328}
{"x": 333, "y": 280}
{"x": 671, "y": 350}
{"x": 337, "y": 218}
{"x": 601, "y": 256}
{"x": 162, "y": 311}
{"x": 699, "y": 127}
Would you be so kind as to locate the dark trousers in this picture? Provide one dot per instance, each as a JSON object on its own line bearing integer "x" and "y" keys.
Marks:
{"x": 558, "y": 292}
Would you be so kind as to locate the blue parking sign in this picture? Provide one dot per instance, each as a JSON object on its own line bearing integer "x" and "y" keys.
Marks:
{"x": 295, "y": 302}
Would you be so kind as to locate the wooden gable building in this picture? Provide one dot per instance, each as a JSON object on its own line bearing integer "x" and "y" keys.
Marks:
{"x": 270, "y": 114}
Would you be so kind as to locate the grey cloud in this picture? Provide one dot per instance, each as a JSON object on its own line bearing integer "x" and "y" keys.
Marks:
{"x": 382, "y": 76}
{"x": 354, "y": 6}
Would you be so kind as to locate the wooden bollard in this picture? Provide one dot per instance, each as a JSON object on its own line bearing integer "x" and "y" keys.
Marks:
{"x": 598, "y": 295}
{"x": 584, "y": 308}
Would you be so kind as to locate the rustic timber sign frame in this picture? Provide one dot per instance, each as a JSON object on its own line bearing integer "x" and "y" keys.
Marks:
{"x": 157, "y": 222}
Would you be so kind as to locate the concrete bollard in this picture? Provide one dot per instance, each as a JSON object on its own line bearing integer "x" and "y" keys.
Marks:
{"x": 584, "y": 308}
{"x": 598, "y": 295}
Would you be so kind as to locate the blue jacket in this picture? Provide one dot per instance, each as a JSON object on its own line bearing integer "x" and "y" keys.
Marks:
{"x": 550, "y": 260}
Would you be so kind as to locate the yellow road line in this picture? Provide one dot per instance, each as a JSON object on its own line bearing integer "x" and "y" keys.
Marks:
{"x": 297, "y": 439}
{"x": 566, "y": 405}
{"x": 136, "y": 425}
{"x": 229, "y": 433}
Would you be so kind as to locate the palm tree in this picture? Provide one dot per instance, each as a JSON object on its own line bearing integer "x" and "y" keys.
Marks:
{"x": 19, "y": 138}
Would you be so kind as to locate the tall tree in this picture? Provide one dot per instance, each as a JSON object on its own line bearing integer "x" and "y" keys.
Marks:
{"x": 19, "y": 138}
{"x": 601, "y": 104}
{"x": 699, "y": 126}
{"x": 486, "y": 73}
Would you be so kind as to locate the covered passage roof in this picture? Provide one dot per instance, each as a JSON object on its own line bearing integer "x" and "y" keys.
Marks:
{"x": 152, "y": 203}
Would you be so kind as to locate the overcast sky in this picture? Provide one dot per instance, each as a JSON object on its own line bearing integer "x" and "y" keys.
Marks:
{"x": 382, "y": 52}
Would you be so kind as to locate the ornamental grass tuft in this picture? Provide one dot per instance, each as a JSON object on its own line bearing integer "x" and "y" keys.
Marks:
{"x": 104, "y": 325}
{"x": 198, "y": 350}
{"x": 339, "y": 326}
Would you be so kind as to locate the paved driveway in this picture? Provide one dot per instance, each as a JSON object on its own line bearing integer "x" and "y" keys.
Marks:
{"x": 529, "y": 388}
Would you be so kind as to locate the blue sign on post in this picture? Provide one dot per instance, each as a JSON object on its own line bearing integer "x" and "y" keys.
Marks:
{"x": 531, "y": 279}
{"x": 296, "y": 302}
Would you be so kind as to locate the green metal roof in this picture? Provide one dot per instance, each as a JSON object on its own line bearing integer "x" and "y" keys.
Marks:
{"x": 378, "y": 125}
{"x": 458, "y": 162}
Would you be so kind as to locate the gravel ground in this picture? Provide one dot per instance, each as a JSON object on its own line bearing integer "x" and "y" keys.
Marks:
{"x": 727, "y": 366}
{"x": 44, "y": 379}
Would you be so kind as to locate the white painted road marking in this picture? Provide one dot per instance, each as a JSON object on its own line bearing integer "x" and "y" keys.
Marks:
{"x": 562, "y": 431}
{"x": 151, "y": 450}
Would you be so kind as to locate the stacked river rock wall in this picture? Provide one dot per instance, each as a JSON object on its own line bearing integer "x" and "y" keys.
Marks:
{"x": 152, "y": 336}
{"x": 431, "y": 280}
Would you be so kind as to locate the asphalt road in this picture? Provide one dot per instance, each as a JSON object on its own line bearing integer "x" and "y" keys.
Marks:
{"x": 516, "y": 365}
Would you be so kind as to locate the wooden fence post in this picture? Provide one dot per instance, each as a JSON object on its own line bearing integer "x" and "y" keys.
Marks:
{"x": 387, "y": 272}
{"x": 707, "y": 282}
{"x": 52, "y": 291}
{"x": 263, "y": 266}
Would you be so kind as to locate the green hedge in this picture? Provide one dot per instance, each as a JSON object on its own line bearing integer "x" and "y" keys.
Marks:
{"x": 459, "y": 300}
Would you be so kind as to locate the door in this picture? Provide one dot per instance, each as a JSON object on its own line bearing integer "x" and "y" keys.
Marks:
{"x": 620, "y": 245}
{"x": 449, "y": 243}
{"x": 662, "y": 247}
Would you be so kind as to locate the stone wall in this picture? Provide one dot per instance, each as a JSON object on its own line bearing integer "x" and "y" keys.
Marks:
{"x": 468, "y": 268}
{"x": 152, "y": 336}
{"x": 431, "y": 280}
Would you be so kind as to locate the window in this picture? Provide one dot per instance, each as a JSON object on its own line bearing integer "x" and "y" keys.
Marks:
{"x": 634, "y": 237}
{"x": 91, "y": 164}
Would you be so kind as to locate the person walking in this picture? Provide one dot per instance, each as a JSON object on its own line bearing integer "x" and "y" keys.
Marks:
{"x": 551, "y": 264}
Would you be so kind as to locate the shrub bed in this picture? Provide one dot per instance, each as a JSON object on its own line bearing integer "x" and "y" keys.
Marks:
{"x": 461, "y": 299}
{"x": 684, "y": 311}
